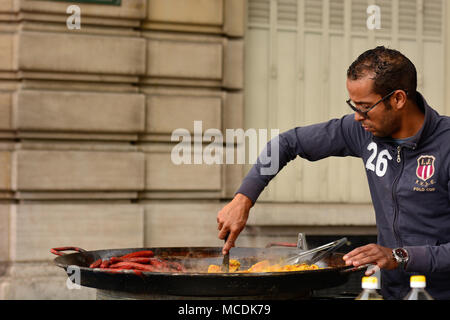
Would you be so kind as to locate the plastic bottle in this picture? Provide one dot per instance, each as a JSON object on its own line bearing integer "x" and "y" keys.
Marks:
{"x": 418, "y": 292}
{"x": 370, "y": 286}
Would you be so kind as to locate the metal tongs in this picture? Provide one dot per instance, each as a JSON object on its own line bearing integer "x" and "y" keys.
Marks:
{"x": 321, "y": 252}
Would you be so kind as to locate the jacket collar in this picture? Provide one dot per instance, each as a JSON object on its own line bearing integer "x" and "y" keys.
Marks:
{"x": 428, "y": 127}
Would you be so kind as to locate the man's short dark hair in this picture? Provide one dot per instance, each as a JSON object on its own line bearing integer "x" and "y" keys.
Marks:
{"x": 389, "y": 69}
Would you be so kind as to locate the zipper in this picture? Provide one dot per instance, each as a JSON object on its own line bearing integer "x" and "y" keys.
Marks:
{"x": 399, "y": 150}
{"x": 394, "y": 196}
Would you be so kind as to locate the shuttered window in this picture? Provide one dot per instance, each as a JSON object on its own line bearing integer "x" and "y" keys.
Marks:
{"x": 432, "y": 17}
{"x": 259, "y": 11}
{"x": 337, "y": 14}
{"x": 408, "y": 17}
{"x": 359, "y": 15}
{"x": 386, "y": 14}
{"x": 287, "y": 12}
{"x": 313, "y": 13}
{"x": 297, "y": 54}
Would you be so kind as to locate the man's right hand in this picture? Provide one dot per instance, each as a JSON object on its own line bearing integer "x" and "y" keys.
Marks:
{"x": 232, "y": 219}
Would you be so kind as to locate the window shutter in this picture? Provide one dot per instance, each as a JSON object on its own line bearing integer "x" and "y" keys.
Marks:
{"x": 386, "y": 14}
{"x": 287, "y": 12}
{"x": 407, "y": 17}
{"x": 359, "y": 15}
{"x": 259, "y": 11}
{"x": 337, "y": 14}
{"x": 432, "y": 18}
{"x": 313, "y": 13}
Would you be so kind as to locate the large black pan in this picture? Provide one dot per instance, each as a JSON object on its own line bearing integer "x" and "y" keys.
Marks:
{"x": 197, "y": 282}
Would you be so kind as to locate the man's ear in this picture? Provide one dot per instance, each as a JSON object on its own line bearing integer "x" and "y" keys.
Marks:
{"x": 399, "y": 99}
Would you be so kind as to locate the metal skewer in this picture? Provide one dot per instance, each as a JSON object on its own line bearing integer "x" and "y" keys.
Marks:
{"x": 226, "y": 259}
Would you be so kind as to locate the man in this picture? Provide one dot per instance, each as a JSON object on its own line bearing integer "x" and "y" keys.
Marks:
{"x": 405, "y": 147}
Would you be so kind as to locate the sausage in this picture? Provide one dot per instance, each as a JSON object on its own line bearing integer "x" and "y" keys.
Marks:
{"x": 105, "y": 263}
{"x": 96, "y": 263}
{"x": 144, "y": 253}
{"x": 132, "y": 265}
{"x": 142, "y": 260}
{"x": 138, "y": 261}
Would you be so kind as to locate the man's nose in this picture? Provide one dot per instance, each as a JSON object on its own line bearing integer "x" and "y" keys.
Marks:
{"x": 359, "y": 117}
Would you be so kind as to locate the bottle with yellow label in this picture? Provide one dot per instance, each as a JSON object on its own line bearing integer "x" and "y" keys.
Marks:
{"x": 370, "y": 286}
{"x": 418, "y": 292}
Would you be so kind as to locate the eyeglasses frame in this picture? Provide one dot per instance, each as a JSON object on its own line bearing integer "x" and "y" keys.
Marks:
{"x": 365, "y": 112}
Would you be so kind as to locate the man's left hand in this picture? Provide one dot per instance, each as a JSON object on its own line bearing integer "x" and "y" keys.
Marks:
{"x": 371, "y": 254}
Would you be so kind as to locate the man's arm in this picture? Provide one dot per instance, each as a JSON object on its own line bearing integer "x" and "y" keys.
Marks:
{"x": 423, "y": 259}
{"x": 431, "y": 258}
{"x": 337, "y": 137}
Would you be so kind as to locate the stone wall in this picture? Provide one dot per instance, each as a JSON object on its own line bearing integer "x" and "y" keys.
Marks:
{"x": 86, "y": 117}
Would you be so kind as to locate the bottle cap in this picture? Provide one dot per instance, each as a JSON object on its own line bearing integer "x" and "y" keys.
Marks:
{"x": 369, "y": 282}
{"x": 418, "y": 281}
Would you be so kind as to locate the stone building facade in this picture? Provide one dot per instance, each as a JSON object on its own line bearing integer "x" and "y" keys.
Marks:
{"x": 86, "y": 122}
{"x": 86, "y": 117}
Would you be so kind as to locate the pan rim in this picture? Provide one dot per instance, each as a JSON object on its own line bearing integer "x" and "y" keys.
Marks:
{"x": 197, "y": 274}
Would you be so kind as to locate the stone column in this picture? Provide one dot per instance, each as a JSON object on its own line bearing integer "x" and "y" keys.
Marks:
{"x": 194, "y": 73}
{"x": 71, "y": 115}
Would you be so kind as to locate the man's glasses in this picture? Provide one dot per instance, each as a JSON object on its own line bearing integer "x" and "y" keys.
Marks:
{"x": 364, "y": 112}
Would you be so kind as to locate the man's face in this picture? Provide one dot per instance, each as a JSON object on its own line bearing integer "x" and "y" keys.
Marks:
{"x": 381, "y": 121}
